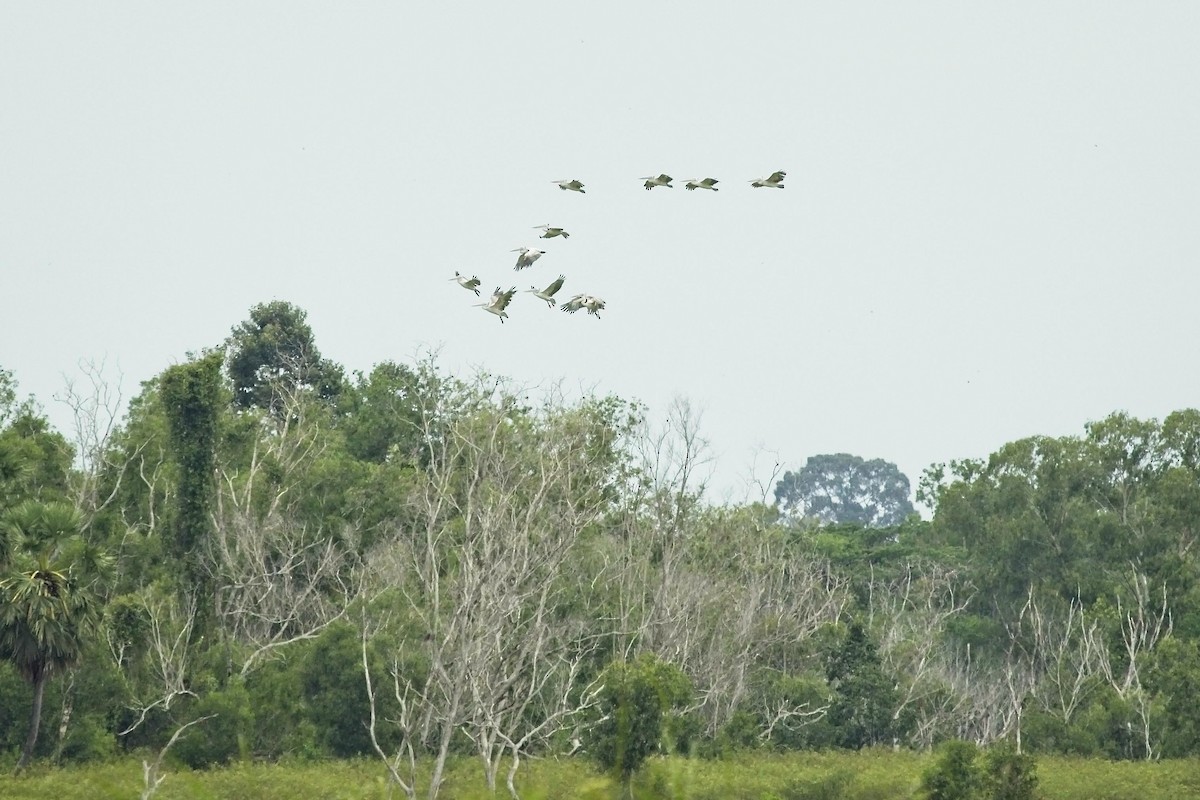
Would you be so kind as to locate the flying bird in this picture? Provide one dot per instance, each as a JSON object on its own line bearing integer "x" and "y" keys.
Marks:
{"x": 527, "y": 256}
{"x": 662, "y": 180}
{"x": 471, "y": 283}
{"x": 592, "y": 303}
{"x": 547, "y": 294}
{"x": 549, "y": 232}
{"x": 707, "y": 183}
{"x": 773, "y": 181}
{"x": 570, "y": 185}
{"x": 499, "y": 302}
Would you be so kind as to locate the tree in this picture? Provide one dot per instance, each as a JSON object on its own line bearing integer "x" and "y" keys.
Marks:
{"x": 842, "y": 488}
{"x": 383, "y": 414}
{"x": 192, "y": 396}
{"x": 275, "y": 349}
{"x": 864, "y": 695}
{"x": 636, "y": 698}
{"x": 1009, "y": 774}
{"x": 486, "y": 574}
{"x": 955, "y": 775}
{"x": 49, "y": 598}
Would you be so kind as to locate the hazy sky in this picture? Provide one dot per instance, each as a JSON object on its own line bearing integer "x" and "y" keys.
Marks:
{"x": 990, "y": 226}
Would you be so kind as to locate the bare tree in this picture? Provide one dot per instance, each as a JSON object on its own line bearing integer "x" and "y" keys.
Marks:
{"x": 1069, "y": 656}
{"x": 96, "y": 408}
{"x": 1144, "y": 622}
{"x": 171, "y": 620}
{"x": 276, "y": 581}
{"x": 152, "y": 775}
{"x": 498, "y": 518}
{"x": 911, "y": 612}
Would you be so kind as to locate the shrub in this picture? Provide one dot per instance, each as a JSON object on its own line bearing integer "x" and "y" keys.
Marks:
{"x": 1009, "y": 775}
{"x": 953, "y": 775}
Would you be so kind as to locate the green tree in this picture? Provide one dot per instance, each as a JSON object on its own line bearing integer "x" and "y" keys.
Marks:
{"x": 843, "y": 488}
{"x": 864, "y": 696}
{"x": 1009, "y": 775}
{"x": 50, "y": 597}
{"x": 193, "y": 397}
{"x": 637, "y": 697}
{"x": 383, "y": 414}
{"x": 34, "y": 459}
{"x": 954, "y": 775}
{"x": 273, "y": 354}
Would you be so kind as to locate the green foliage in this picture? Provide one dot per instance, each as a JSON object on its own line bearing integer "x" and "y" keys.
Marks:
{"x": 382, "y": 414}
{"x": 34, "y": 460}
{"x": 1009, "y": 775}
{"x": 223, "y": 737}
{"x": 273, "y": 354}
{"x": 843, "y": 488}
{"x": 637, "y": 697}
{"x": 50, "y": 595}
{"x": 193, "y": 398}
{"x": 864, "y": 696}
{"x": 335, "y": 692}
{"x": 1174, "y": 675}
{"x": 954, "y": 774}
{"x": 876, "y": 775}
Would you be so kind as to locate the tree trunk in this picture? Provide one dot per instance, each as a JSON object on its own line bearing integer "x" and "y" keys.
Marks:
{"x": 65, "y": 720}
{"x": 512, "y": 773}
{"x": 35, "y": 718}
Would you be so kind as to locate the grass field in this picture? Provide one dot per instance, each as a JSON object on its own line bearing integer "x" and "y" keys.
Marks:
{"x": 870, "y": 775}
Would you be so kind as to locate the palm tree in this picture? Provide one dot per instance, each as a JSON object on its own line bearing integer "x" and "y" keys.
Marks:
{"x": 49, "y": 596}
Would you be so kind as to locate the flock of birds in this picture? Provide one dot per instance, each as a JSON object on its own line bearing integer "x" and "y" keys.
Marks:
{"x": 528, "y": 255}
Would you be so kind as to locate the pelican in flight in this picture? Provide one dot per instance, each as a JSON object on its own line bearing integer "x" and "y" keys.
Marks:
{"x": 707, "y": 183}
{"x": 547, "y": 294}
{"x": 527, "y": 257}
{"x": 570, "y": 185}
{"x": 773, "y": 181}
{"x": 592, "y": 303}
{"x": 549, "y": 232}
{"x": 499, "y": 302}
{"x": 471, "y": 283}
{"x": 662, "y": 180}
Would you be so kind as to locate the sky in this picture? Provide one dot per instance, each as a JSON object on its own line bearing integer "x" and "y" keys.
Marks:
{"x": 988, "y": 231}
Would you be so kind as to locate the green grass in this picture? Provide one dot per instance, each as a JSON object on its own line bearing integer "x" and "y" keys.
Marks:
{"x": 870, "y": 775}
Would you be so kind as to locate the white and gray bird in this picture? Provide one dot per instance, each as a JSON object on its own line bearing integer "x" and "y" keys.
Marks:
{"x": 662, "y": 180}
{"x": 570, "y": 185}
{"x": 549, "y": 232}
{"x": 547, "y": 294}
{"x": 772, "y": 181}
{"x": 527, "y": 256}
{"x": 592, "y": 303}
{"x": 471, "y": 283}
{"x": 499, "y": 302}
{"x": 707, "y": 183}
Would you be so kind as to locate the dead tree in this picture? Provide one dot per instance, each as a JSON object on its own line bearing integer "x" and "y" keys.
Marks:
{"x": 498, "y": 515}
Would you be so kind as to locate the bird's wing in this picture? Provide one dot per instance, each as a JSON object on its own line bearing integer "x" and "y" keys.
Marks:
{"x": 574, "y": 304}
{"x": 710, "y": 181}
{"x": 665, "y": 178}
{"x": 473, "y": 283}
{"x": 504, "y": 298}
{"x": 554, "y": 287}
{"x": 776, "y": 177}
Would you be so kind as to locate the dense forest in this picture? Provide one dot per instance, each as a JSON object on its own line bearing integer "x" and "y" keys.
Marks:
{"x": 264, "y": 557}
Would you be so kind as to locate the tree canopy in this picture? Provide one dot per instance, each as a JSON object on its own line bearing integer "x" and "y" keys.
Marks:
{"x": 839, "y": 488}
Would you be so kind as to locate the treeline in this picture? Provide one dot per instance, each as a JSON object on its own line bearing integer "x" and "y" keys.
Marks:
{"x": 267, "y": 558}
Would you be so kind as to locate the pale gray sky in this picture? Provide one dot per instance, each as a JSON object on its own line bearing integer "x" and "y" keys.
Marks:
{"x": 989, "y": 228}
